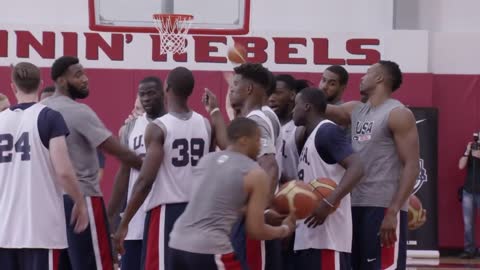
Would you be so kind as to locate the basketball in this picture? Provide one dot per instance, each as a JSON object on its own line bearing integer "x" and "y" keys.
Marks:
{"x": 297, "y": 197}
{"x": 415, "y": 209}
{"x": 237, "y": 54}
{"x": 322, "y": 187}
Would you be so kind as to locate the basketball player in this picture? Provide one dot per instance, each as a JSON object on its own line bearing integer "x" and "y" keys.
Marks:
{"x": 248, "y": 93}
{"x": 282, "y": 102}
{"x": 175, "y": 143}
{"x": 324, "y": 240}
{"x": 384, "y": 133}
{"x": 91, "y": 249}
{"x": 150, "y": 94}
{"x": 200, "y": 238}
{"x": 47, "y": 92}
{"x": 50, "y": 91}
{"x": 333, "y": 83}
{"x": 34, "y": 170}
{"x": 4, "y": 102}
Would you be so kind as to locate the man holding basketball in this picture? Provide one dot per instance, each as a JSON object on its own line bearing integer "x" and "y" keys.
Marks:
{"x": 324, "y": 240}
{"x": 200, "y": 238}
{"x": 384, "y": 133}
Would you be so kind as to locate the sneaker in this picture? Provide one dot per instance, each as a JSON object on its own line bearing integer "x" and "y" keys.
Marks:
{"x": 467, "y": 255}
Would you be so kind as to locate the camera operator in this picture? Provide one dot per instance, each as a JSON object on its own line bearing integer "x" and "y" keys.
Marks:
{"x": 470, "y": 195}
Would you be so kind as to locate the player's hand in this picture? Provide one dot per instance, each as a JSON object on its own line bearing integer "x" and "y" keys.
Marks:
{"x": 273, "y": 218}
{"x": 79, "y": 217}
{"x": 119, "y": 238}
{"x": 209, "y": 100}
{"x": 291, "y": 222}
{"x": 319, "y": 215}
{"x": 469, "y": 147}
{"x": 388, "y": 230}
{"x": 421, "y": 220}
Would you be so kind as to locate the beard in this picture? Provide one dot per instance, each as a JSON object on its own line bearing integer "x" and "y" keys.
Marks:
{"x": 76, "y": 93}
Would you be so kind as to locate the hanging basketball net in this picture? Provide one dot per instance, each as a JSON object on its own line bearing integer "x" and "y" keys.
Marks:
{"x": 173, "y": 29}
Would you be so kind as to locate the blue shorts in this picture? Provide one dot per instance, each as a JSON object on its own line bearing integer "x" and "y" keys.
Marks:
{"x": 132, "y": 258}
{"x": 367, "y": 254}
{"x": 90, "y": 249}
{"x": 321, "y": 259}
{"x": 184, "y": 260}
{"x": 29, "y": 259}
{"x": 255, "y": 254}
{"x": 158, "y": 225}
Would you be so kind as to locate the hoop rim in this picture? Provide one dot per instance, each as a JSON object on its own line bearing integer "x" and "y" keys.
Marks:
{"x": 164, "y": 16}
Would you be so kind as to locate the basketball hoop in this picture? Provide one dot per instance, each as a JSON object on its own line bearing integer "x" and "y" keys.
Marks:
{"x": 173, "y": 29}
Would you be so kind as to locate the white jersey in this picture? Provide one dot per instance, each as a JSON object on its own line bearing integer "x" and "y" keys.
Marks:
{"x": 336, "y": 232}
{"x": 31, "y": 204}
{"x": 289, "y": 151}
{"x": 186, "y": 141}
{"x": 277, "y": 136}
{"x": 136, "y": 142}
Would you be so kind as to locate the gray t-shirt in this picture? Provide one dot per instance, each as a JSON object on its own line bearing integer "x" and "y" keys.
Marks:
{"x": 87, "y": 132}
{"x": 217, "y": 199}
{"x": 372, "y": 139}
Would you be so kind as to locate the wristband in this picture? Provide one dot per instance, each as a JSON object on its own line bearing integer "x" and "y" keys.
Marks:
{"x": 328, "y": 203}
{"x": 266, "y": 211}
{"x": 214, "y": 111}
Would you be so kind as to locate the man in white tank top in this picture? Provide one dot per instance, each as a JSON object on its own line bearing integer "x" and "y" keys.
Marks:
{"x": 385, "y": 134}
{"x": 34, "y": 171}
{"x": 325, "y": 238}
{"x": 150, "y": 95}
{"x": 282, "y": 101}
{"x": 175, "y": 143}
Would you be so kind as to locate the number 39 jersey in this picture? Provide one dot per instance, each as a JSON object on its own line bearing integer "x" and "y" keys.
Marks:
{"x": 31, "y": 203}
{"x": 186, "y": 141}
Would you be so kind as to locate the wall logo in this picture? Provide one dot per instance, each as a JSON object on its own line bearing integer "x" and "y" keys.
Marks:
{"x": 421, "y": 179}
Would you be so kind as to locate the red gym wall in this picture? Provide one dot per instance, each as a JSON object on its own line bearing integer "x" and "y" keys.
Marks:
{"x": 112, "y": 93}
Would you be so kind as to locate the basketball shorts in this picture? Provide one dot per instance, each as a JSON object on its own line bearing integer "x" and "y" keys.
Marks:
{"x": 321, "y": 259}
{"x": 183, "y": 260}
{"x": 132, "y": 258}
{"x": 255, "y": 254}
{"x": 158, "y": 225}
{"x": 90, "y": 249}
{"x": 29, "y": 259}
{"x": 367, "y": 253}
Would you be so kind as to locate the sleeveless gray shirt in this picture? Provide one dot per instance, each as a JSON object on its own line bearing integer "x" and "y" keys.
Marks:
{"x": 374, "y": 143}
{"x": 217, "y": 198}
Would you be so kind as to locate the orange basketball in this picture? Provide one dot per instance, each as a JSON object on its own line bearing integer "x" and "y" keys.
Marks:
{"x": 297, "y": 197}
{"x": 322, "y": 187}
{"x": 237, "y": 54}
{"x": 415, "y": 209}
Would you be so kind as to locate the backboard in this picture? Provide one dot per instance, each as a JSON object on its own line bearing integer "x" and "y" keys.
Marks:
{"x": 223, "y": 17}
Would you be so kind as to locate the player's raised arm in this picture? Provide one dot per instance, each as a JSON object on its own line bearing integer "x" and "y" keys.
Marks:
{"x": 219, "y": 127}
{"x": 257, "y": 185}
{"x": 404, "y": 129}
{"x": 68, "y": 181}
{"x": 341, "y": 114}
{"x": 154, "y": 140}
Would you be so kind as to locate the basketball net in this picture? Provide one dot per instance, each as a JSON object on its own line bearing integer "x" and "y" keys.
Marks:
{"x": 173, "y": 29}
